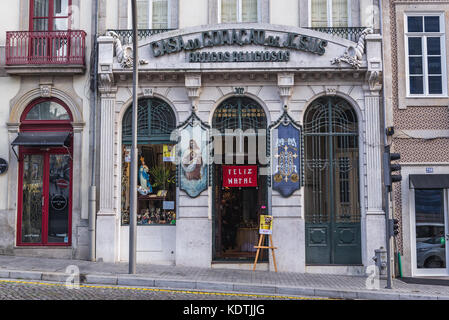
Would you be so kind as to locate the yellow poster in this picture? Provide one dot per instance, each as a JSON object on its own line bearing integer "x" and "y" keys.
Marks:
{"x": 168, "y": 153}
{"x": 266, "y": 224}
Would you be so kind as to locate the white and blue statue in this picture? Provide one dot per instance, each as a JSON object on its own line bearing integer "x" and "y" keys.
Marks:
{"x": 144, "y": 179}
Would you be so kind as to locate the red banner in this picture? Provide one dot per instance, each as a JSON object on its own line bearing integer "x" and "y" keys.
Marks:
{"x": 239, "y": 176}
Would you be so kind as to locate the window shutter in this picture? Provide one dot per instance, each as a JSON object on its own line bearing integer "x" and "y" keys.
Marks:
{"x": 160, "y": 14}
{"x": 142, "y": 14}
{"x": 249, "y": 10}
{"x": 339, "y": 13}
{"x": 228, "y": 11}
{"x": 319, "y": 13}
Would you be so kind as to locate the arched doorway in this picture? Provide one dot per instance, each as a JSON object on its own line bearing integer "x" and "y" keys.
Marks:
{"x": 332, "y": 204}
{"x": 239, "y": 181}
{"x": 45, "y": 183}
{"x": 156, "y": 165}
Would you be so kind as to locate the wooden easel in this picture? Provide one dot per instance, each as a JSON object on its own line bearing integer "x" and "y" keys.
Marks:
{"x": 260, "y": 246}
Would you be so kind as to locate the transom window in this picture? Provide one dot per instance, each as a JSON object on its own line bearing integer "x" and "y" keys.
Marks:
{"x": 329, "y": 13}
{"x": 425, "y": 50}
{"x": 151, "y": 14}
{"x": 156, "y": 121}
{"x": 47, "y": 110}
{"x": 238, "y": 11}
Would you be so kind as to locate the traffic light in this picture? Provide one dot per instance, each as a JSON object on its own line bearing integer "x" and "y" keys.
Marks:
{"x": 394, "y": 227}
{"x": 391, "y": 167}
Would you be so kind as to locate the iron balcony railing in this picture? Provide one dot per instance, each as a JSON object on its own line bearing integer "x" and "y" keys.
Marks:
{"x": 349, "y": 33}
{"x": 45, "y": 47}
{"x": 126, "y": 36}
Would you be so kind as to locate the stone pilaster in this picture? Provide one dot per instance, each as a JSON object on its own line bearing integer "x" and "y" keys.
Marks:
{"x": 375, "y": 215}
{"x": 107, "y": 232}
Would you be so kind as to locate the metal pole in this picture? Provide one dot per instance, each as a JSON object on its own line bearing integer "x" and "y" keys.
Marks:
{"x": 388, "y": 237}
{"x": 133, "y": 173}
{"x": 386, "y": 193}
{"x": 94, "y": 95}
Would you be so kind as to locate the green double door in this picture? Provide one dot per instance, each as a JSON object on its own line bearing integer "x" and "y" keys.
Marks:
{"x": 332, "y": 204}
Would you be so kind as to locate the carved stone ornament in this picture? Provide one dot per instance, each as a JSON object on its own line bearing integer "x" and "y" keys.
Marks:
{"x": 353, "y": 55}
{"x": 106, "y": 81}
{"x": 45, "y": 91}
{"x": 124, "y": 53}
{"x": 374, "y": 80}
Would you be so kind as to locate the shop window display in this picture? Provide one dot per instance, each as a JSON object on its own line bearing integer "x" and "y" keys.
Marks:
{"x": 156, "y": 176}
{"x": 156, "y": 185}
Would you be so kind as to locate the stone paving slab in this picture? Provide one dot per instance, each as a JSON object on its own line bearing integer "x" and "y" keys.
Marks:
{"x": 179, "y": 277}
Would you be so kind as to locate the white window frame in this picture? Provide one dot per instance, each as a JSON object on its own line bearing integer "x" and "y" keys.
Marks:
{"x": 423, "y": 35}
{"x": 239, "y": 11}
{"x": 413, "y": 255}
{"x": 329, "y": 13}
{"x": 150, "y": 14}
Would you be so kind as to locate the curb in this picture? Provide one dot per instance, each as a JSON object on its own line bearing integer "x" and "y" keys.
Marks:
{"x": 141, "y": 281}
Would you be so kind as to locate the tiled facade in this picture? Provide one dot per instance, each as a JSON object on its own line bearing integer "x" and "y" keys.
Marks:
{"x": 421, "y": 125}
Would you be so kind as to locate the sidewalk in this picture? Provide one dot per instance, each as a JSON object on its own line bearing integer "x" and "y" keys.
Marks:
{"x": 261, "y": 282}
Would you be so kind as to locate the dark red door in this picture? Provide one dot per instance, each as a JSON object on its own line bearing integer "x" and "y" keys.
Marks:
{"x": 45, "y": 197}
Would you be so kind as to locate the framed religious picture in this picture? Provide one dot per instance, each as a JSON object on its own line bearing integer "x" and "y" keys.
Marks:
{"x": 193, "y": 155}
{"x": 287, "y": 155}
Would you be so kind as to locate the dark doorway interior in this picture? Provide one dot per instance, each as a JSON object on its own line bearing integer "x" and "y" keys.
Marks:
{"x": 237, "y": 209}
{"x": 236, "y": 222}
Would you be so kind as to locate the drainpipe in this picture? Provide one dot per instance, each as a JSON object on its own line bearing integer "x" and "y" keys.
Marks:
{"x": 93, "y": 108}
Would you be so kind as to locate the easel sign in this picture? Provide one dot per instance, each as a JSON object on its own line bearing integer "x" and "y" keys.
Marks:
{"x": 265, "y": 228}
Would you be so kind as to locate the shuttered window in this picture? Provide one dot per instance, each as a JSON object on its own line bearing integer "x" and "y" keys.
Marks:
{"x": 330, "y": 13}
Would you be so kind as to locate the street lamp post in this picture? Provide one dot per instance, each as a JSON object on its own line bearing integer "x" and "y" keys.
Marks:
{"x": 133, "y": 173}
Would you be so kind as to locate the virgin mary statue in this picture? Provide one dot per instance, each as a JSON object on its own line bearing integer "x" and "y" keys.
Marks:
{"x": 144, "y": 178}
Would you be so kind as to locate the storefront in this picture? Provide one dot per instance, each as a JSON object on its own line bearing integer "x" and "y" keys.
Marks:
{"x": 237, "y": 121}
{"x": 46, "y": 170}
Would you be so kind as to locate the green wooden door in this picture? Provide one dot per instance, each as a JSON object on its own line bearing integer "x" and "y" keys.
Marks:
{"x": 332, "y": 204}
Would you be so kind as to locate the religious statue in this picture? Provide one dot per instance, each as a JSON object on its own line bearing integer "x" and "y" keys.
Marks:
{"x": 144, "y": 179}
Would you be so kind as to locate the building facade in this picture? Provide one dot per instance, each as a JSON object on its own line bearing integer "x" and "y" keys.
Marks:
{"x": 415, "y": 55}
{"x": 45, "y": 114}
{"x": 245, "y": 108}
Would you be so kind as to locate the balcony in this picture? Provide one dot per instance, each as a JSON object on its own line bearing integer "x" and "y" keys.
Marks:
{"x": 48, "y": 52}
{"x": 126, "y": 36}
{"x": 349, "y": 33}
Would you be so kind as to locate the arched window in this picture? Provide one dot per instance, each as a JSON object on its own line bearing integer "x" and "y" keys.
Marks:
{"x": 47, "y": 110}
{"x": 155, "y": 121}
{"x": 157, "y": 171}
{"x": 332, "y": 204}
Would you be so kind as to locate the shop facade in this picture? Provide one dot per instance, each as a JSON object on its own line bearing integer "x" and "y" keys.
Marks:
{"x": 45, "y": 129}
{"x": 212, "y": 102}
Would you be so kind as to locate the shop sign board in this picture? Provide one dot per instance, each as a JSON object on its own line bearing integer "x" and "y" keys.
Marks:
{"x": 239, "y": 176}
{"x": 277, "y": 48}
{"x": 266, "y": 224}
